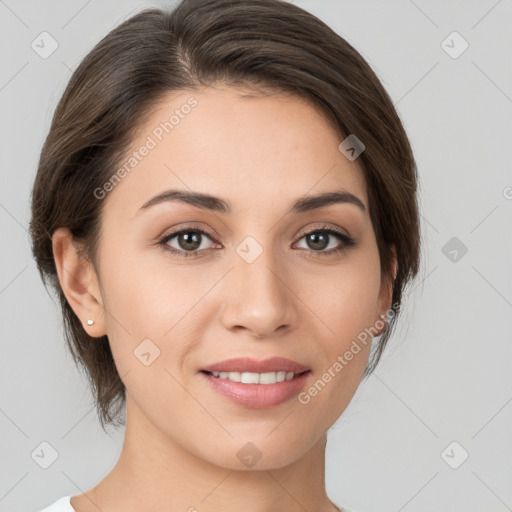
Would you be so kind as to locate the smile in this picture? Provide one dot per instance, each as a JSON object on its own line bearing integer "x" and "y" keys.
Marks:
{"x": 255, "y": 378}
{"x": 257, "y": 390}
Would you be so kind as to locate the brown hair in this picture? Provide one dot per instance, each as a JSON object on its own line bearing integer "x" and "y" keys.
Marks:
{"x": 259, "y": 43}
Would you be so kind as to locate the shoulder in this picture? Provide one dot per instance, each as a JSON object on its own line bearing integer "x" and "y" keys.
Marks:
{"x": 61, "y": 505}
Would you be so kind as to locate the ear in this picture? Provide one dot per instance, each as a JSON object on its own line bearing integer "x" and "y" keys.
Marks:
{"x": 79, "y": 282}
{"x": 386, "y": 290}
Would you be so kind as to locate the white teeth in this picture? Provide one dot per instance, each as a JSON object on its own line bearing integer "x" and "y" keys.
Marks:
{"x": 255, "y": 378}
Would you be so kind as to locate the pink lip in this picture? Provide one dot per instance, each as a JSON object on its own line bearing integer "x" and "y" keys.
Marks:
{"x": 245, "y": 364}
{"x": 258, "y": 396}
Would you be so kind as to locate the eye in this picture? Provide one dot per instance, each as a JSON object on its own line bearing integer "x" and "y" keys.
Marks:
{"x": 322, "y": 238}
{"x": 186, "y": 242}
{"x": 192, "y": 240}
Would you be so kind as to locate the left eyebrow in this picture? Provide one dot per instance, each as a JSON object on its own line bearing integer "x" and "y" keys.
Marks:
{"x": 308, "y": 203}
{"x": 212, "y": 203}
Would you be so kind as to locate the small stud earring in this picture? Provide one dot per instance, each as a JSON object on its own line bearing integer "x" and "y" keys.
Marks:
{"x": 90, "y": 322}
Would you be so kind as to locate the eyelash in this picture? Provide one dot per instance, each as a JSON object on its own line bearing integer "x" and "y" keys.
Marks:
{"x": 347, "y": 241}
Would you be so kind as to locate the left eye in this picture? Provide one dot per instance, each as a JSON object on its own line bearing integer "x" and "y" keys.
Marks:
{"x": 319, "y": 240}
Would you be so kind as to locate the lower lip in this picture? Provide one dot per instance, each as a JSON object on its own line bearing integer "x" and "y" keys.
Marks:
{"x": 258, "y": 396}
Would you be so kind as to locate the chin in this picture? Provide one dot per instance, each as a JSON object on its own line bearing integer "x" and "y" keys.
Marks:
{"x": 259, "y": 451}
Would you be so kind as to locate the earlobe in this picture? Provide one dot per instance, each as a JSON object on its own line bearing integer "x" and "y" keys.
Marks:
{"x": 387, "y": 286}
{"x": 394, "y": 262}
{"x": 394, "y": 271}
{"x": 79, "y": 283}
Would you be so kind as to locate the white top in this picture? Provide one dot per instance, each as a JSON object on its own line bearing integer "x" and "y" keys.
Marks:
{"x": 61, "y": 505}
{"x": 64, "y": 505}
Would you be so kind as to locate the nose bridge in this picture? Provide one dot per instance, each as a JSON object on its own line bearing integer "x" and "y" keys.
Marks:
{"x": 258, "y": 297}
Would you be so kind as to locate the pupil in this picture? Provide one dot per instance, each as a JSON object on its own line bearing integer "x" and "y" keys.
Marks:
{"x": 191, "y": 237}
{"x": 316, "y": 239}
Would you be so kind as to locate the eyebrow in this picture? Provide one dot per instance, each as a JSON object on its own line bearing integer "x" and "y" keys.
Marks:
{"x": 216, "y": 204}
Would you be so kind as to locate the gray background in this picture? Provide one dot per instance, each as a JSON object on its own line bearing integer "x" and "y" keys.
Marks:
{"x": 446, "y": 374}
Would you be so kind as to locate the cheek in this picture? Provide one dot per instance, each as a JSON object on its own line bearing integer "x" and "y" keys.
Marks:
{"x": 142, "y": 296}
{"x": 344, "y": 298}
{"x": 345, "y": 304}
{"x": 160, "y": 302}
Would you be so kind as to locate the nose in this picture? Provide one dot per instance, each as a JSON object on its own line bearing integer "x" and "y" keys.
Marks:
{"x": 258, "y": 298}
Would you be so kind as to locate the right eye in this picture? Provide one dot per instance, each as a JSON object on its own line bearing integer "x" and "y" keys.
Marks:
{"x": 189, "y": 241}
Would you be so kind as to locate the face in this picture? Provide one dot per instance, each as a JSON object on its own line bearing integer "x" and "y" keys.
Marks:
{"x": 185, "y": 287}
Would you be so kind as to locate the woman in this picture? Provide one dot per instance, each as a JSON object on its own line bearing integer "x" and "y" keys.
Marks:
{"x": 226, "y": 205}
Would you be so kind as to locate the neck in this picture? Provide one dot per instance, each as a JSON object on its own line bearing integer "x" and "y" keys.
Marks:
{"x": 155, "y": 473}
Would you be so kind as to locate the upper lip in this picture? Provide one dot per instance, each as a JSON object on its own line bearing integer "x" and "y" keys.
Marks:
{"x": 245, "y": 364}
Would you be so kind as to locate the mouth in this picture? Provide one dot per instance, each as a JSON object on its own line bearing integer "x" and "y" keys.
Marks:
{"x": 265, "y": 378}
{"x": 256, "y": 390}
{"x": 249, "y": 365}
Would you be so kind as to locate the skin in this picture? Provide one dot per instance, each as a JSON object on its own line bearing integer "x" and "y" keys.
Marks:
{"x": 260, "y": 153}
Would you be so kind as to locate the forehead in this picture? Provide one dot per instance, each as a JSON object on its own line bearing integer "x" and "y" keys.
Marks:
{"x": 254, "y": 149}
